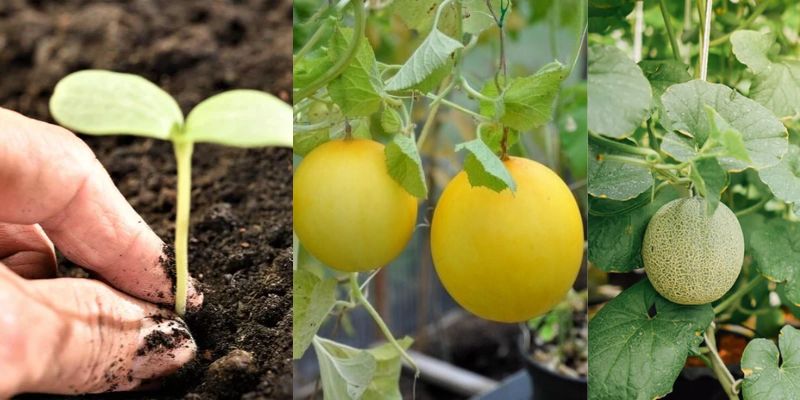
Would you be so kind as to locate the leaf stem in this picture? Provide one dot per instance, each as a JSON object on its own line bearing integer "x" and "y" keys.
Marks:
{"x": 459, "y": 107}
{"x": 670, "y": 30}
{"x": 474, "y": 93}
{"x": 359, "y": 297}
{"x": 718, "y": 366}
{"x": 753, "y": 208}
{"x": 343, "y": 62}
{"x": 737, "y": 295}
{"x": 183, "y": 156}
{"x": 642, "y": 151}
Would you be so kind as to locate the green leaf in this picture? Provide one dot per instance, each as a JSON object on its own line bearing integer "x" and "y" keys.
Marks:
{"x": 484, "y": 168}
{"x": 309, "y": 68}
{"x": 615, "y": 237}
{"x": 101, "y": 102}
{"x": 242, "y": 118}
{"x": 307, "y": 141}
{"x": 783, "y": 178}
{"x": 312, "y": 301}
{"x": 776, "y": 251}
{"x": 764, "y": 136}
{"x": 357, "y": 91}
{"x": 405, "y": 166}
{"x": 434, "y": 52}
{"x": 619, "y": 93}
{"x": 385, "y": 383}
{"x": 724, "y": 136}
{"x": 751, "y": 48}
{"x": 477, "y": 16}
{"x": 776, "y": 84}
{"x": 417, "y": 15}
{"x": 638, "y": 356}
{"x": 350, "y": 373}
{"x": 390, "y": 121}
{"x": 345, "y": 372}
{"x": 615, "y": 180}
{"x": 492, "y": 136}
{"x": 663, "y": 74}
{"x": 710, "y": 180}
{"x": 769, "y": 375}
{"x": 721, "y": 139}
{"x": 528, "y": 102}
{"x": 573, "y": 131}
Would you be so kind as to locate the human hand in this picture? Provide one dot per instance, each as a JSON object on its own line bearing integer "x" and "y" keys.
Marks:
{"x": 72, "y": 336}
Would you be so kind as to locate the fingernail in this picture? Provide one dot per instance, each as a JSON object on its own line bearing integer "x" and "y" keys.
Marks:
{"x": 165, "y": 344}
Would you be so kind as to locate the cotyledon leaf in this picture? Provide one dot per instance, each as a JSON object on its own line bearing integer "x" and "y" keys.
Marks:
{"x": 242, "y": 118}
{"x": 100, "y": 102}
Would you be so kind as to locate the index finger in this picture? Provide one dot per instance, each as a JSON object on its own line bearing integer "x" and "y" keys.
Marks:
{"x": 50, "y": 177}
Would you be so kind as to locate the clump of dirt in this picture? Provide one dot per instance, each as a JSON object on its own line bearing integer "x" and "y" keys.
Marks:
{"x": 241, "y": 240}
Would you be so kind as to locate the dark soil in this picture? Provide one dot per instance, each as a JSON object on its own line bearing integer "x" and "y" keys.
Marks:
{"x": 241, "y": 239}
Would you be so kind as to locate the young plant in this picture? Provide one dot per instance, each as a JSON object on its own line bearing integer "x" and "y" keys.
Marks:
{"x": 697, "y": 183}
{"x": 358, "y": 99}
{"x": 98, "y": 102}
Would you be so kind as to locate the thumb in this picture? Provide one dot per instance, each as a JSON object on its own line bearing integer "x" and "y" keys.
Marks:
{"x": 70, "y": 336}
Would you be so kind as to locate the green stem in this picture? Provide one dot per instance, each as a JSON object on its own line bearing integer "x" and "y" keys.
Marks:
{"x": 670, "y": 30}
{"x": 758, "y": 11}
{"x": 642, "y": 151}
{"x": 434, "y": 109}
{"x": 359, "y": 297}
{"x": 718, "y": 366}
{"x": 321, "y": 32}
{"x": 459, "y": 107}
{"x": 474, "y": 93}
{"x": 737, "y": 295}
{"x": 343, "y": 62}
{"x": 183, "y": 156}
{"x": 753, "y": 208}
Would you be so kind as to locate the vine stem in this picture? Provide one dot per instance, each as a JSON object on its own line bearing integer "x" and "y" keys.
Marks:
{"x": 359, "y": 297}
{"x": 343, "y": 62}
{"x": 503, "y": 65}
{"x": 315, "y": 38}
{"x": 718, "y": 366}
{"x": 673, "y": 41}
{"x": 706, "y": 39}
{"x": 183, "y": 156}
{"x": 737, "y": 295}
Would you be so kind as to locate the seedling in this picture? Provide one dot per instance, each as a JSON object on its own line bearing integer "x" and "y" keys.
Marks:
{"x": 98, "y": 102}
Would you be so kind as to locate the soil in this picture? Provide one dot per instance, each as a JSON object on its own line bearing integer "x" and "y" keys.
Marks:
{"x": 241, "y": 227}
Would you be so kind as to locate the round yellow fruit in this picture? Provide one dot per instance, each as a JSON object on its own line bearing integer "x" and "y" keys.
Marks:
{"x": 506, "y": 256}
{"x": 689, "y": 257}
{"x": 348, "y": 212}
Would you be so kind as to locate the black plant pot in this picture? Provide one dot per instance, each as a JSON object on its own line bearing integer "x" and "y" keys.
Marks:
{"x": 550, "y": 385}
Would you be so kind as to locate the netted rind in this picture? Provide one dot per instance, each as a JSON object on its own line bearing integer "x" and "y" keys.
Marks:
{"x": 689, "y": 257}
